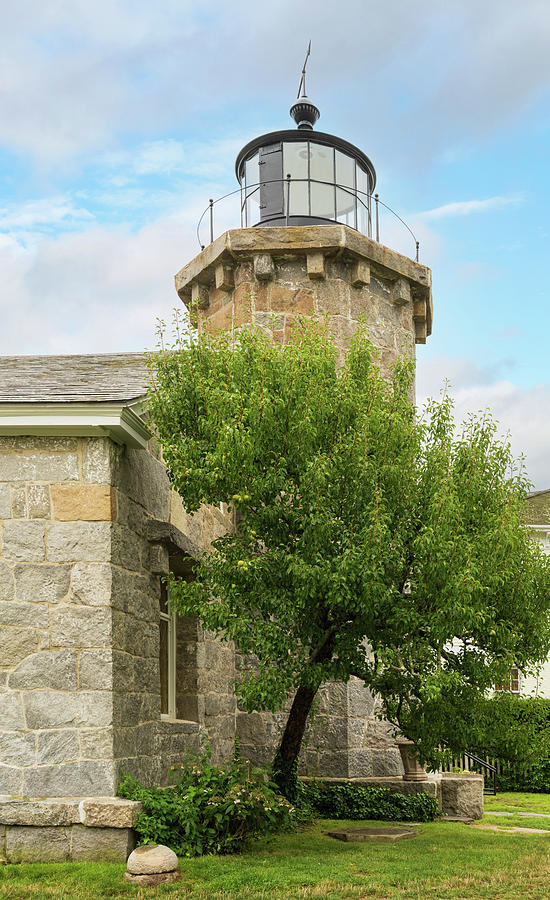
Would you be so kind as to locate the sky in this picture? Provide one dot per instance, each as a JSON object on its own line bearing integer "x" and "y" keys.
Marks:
{"x": 119, "y": 119}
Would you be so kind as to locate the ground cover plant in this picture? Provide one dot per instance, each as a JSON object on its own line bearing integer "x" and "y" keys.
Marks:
{"x": 209, "y": 809}
{"x": 353, "y": 801}
{"x": 446, "y": 861}
{"x": 356, "y": 522}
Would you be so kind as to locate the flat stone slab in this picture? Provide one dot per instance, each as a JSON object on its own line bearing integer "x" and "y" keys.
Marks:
{"x": 465, "y": 820}
{"x": 384, "y": 834}
{"x": 526, "y": 815}
{"x": 515, "y": 829}
{"x": 151, "y": 880}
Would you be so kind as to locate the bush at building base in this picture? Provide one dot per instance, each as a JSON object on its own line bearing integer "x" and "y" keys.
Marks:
{"x": 209, "y": 809}
{"x": 353, "y": 801}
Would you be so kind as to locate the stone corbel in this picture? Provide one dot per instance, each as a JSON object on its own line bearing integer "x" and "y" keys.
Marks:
{"x": 264, "y": 267}
{"x": 316, "y": 266}
{"x": 360, "y": 273}
{"x": 224, "y": 277}
{"x": 420, "y": 331}
{"x": 401, "y": 292}
{"x": 199, "y": 296}
{"x": 419, "y": 310}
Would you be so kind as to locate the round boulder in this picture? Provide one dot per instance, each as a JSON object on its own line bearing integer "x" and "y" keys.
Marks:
{"x": 151, "y": 859}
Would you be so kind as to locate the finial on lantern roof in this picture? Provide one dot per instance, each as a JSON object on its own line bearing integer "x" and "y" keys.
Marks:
{"x": 303, "y": 111}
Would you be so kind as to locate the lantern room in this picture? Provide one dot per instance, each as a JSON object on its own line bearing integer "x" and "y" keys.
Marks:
{"x": 305, "y": 177}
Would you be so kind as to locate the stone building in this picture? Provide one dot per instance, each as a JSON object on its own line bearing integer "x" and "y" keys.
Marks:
{"x": 97, "y": 676}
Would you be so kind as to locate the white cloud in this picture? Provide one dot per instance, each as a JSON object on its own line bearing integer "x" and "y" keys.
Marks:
{"x": 467, "y": 207}
{"x": 75, "y": 75}
{"x": 523, "y": 412}
{"x": 99, "y": 290}
{"x": 45, "y": 212}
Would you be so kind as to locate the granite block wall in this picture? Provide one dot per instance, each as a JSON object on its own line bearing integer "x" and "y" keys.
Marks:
{"x": 79, "y": 622}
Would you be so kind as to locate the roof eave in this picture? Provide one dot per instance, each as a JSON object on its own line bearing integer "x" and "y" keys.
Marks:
{"x": 118, "y": 421}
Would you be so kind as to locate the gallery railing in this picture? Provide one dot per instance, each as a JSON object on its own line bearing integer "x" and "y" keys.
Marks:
{"x": 365, "y": 210}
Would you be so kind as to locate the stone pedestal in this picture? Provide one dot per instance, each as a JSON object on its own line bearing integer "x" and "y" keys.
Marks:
{"x": 462, "y": 795}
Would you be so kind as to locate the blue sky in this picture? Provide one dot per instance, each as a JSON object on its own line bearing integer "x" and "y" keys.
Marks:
{"x": 119, "y": 119}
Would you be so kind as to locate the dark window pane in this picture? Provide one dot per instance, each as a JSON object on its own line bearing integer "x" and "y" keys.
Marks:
{"x": 271, "y": 176}
{"x": 164, "y": 600}
{"x": 163, "y": 660}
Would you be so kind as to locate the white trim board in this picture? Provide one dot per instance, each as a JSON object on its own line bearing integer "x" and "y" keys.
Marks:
{"x": 115, "y": 420}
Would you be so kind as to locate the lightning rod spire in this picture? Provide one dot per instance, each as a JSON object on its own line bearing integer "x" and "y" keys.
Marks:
{"x": 303, "y": 110}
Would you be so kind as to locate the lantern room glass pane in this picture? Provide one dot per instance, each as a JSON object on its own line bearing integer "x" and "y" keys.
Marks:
{"x": 345, "y": 170}
{"x": 321, "y": 162}
{"x": 321, "y": 169}
{"x": 252, "y": 191}
{"x": 296, "y": 164}
{"x": 363, "y": 201}
{"x": 345, "y": 192}
{"x": 322, "y": 200}
{"x": 295, "y": 160}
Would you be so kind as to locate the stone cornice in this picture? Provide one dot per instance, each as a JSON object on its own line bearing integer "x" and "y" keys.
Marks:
{"x": 329, "y": 240}
{"x": 114, "y": 420}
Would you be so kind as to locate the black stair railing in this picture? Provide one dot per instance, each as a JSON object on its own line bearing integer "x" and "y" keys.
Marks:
{"x": 484, "y": 764}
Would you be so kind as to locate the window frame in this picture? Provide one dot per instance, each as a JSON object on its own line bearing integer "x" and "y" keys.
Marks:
{"x": 171, "y": 648}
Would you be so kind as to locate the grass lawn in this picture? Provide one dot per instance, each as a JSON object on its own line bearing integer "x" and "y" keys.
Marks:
{"x": 517, "y": 802}
{"x": 446, "y": 861}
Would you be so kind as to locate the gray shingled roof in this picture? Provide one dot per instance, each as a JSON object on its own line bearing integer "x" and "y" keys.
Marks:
{"x": 103, "y": 377}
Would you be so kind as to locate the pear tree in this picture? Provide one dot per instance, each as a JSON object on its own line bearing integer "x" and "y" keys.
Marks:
{"x": 369, "y": 539}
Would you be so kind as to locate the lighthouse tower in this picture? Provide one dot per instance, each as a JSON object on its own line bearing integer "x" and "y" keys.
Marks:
{"x": 308, "y": 245}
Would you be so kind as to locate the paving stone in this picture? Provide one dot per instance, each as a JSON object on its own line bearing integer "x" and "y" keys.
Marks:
{"x": 371, "y": 833}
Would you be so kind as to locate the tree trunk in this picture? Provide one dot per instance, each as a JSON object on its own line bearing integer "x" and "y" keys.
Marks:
{"x": 285, "y": 764}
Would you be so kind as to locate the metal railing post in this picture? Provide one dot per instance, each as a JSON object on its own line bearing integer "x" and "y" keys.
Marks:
{"x": 211, "y": 220}
{"x": 377, "y": 219}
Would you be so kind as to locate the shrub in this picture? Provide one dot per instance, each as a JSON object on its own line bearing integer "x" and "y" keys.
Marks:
{"x": 535, "y": 779}
{"x": 209, "y": 809}
{"x": 516, "y": 731}
{"x": 353, "y": 801}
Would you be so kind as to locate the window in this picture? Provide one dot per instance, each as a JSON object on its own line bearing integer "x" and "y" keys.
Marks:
{"x": 177, "y": 663}
{"x": 167, "y": 657}
{"x": 512, "y": 682}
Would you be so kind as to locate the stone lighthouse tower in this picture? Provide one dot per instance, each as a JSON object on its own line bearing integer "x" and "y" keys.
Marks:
{"x": 308, "y": 245}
